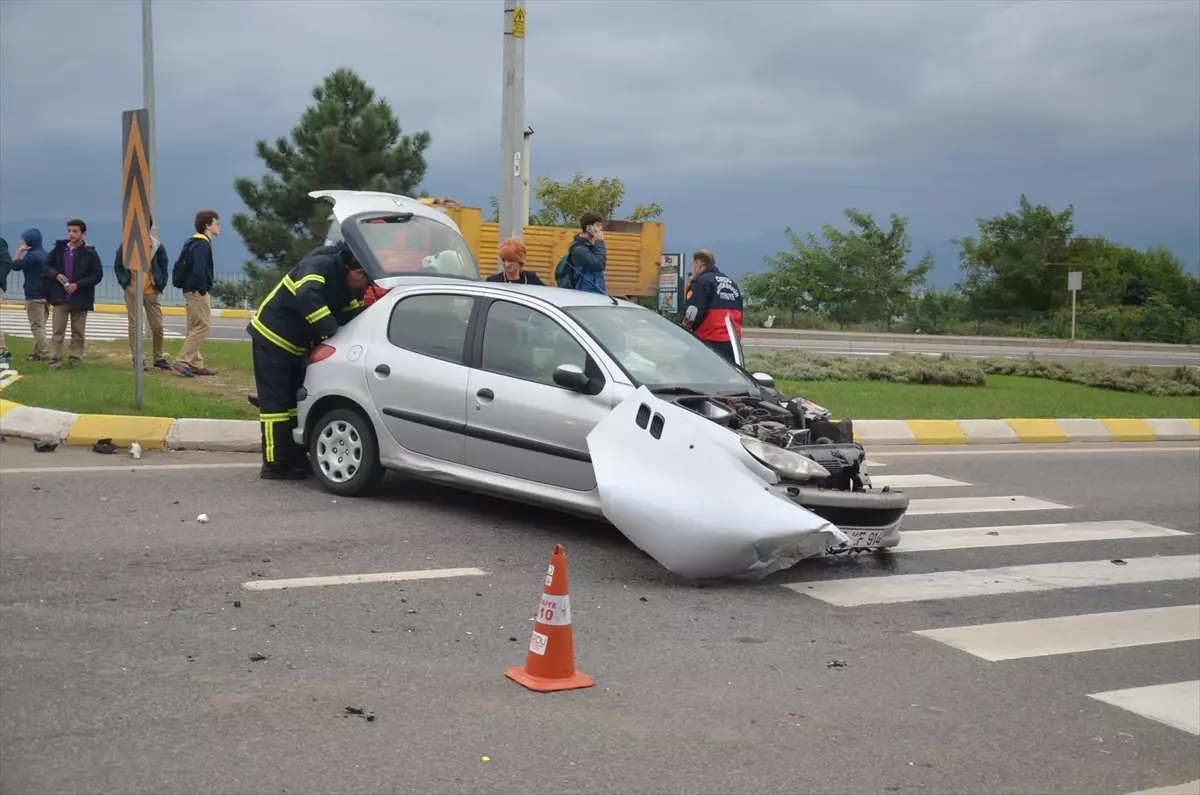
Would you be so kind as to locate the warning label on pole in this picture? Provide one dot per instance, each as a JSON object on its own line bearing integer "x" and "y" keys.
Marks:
{"x": 519, "y": 23}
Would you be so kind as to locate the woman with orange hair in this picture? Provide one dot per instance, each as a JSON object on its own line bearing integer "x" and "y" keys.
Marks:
{"x": 512, "y": 259}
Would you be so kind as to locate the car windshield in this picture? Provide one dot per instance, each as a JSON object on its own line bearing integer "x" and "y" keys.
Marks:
{"x": 411, "y": 245}
{"x": 656, "y": 353}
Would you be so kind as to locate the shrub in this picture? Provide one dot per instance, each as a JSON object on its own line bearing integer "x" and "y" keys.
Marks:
{"x": 903, "y": 368}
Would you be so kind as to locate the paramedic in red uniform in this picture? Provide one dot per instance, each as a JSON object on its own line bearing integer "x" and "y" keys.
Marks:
{"x": 709, "y": 298}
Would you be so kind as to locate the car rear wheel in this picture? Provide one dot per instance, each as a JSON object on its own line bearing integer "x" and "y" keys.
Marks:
{"x": 344, "y": 453}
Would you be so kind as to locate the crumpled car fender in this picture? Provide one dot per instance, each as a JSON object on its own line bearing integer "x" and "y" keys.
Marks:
{"x": 669, "y": 482}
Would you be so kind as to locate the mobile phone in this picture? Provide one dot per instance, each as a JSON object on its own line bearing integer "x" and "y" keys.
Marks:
{"x": 590, "y": 229}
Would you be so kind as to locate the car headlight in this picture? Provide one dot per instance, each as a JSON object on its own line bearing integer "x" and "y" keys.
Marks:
{"x": 785, "y": 462}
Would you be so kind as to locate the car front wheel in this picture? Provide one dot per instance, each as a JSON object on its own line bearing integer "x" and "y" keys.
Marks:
{"x": 345, "y": 456}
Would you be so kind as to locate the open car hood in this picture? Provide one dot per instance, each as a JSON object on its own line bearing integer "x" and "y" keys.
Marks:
{"x": 669, "y": 482}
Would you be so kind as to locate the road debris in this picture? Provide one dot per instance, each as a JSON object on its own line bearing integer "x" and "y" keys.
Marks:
{"x": 135, "y": 450}
{"x": 105, "y": 447}
{"x": 361, "y": 712}
{"x": 45, "y": 445}
{"x": 256, "y": 657}
{"x": 202, "y": 518}
{"x": 837, "y": 664}
{"x": 1118, "y": 562}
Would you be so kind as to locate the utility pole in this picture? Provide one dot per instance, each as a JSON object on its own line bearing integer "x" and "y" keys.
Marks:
{"x": 512, "y": 121}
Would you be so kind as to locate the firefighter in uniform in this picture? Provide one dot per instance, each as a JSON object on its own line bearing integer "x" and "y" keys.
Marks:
{"x": 709, "y": 298}
{"x": 321, "y": 293}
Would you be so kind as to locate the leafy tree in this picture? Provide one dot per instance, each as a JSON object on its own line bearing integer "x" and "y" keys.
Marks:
{"x": 861, "y": 274}
{"x": 347, "y": 140}
{"x": 1020, "y": 260}
{"x": 562, "y": 203}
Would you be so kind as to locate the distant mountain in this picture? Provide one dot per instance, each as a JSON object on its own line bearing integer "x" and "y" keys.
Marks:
{"x": 106, "y": 236}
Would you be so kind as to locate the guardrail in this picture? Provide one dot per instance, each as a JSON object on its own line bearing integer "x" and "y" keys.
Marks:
{"x": 851, "y": 337}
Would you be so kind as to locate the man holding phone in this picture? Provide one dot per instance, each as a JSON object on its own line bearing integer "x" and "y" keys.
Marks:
{"x": 582, "y": 268}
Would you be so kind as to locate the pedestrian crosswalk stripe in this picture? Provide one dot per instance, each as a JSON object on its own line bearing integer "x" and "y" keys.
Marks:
{"x": 1190, "y": 788}
{"x": 1040, "y": 637}
{"x": 914, "y": 481}
{"x": 875, "y": 590}
{"x": 100, "y": 326}
{"x": 1023, "y": 534}
{"x": 1176, "y": 704}
{"x": 947, "y": 505}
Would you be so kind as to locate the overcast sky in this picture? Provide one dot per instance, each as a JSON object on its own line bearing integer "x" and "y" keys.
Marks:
{"x": 737, "y": 117}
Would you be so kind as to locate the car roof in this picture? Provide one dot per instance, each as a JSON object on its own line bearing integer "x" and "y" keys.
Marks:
{"x": 555, "y": 296}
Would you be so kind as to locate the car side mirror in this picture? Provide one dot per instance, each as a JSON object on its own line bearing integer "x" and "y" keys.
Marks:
{"x": 571, "y": 377}
{"x": 764, "y": 380}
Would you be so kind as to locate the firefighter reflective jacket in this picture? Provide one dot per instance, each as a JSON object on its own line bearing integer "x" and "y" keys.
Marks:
{"x": 715, "y": 296}
{"x": 310, "y": 303}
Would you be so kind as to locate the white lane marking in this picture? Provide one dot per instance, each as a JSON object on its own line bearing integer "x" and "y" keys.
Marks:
{"x": 123, "y": 469}
{"x": 1022, "y": 534}
{"x": 1033, "y": 449}
{"x": 358, "y": 579}
{"x": 914, "y": 481}
{"x": 1176, "y": 704}
{"x": 1190, "y": 788}
{"x": 1005, "y": 504}
{"x": 1041, "y": 637}
{"x": 858, "y": 591}
{"x": 872, "y": 464}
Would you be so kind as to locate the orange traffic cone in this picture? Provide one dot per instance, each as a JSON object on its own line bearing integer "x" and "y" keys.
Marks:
{"x": 550, "y": 663}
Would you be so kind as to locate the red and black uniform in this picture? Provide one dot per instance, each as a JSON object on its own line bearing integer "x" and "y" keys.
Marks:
{"x": 714, "y": 297}
{"x": 310, "y": 303}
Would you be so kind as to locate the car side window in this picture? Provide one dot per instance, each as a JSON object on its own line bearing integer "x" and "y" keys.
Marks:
{"x": 528, "y": 344}
{"x": 431, "y": 325}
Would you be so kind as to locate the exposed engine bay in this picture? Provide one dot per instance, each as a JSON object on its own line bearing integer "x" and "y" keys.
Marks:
{"x": 795, "y": 424}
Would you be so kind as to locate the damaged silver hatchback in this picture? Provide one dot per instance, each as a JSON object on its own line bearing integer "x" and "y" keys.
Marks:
{"x": 578, "y": 402}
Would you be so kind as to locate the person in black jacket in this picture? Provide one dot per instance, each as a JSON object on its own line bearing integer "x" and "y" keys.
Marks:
{"x": 69, "y": 278}
{"x": 154, "y": 281}
{"x": 197, "y": 283}
{"x": 323, "y": 292}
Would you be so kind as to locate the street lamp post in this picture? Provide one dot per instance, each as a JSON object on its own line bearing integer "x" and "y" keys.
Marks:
{"x": 148, "y": 102}
{"x": 512, "y": 121}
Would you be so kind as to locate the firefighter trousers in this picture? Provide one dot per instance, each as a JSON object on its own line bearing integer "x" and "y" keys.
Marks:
{"x": 278, "y": 376}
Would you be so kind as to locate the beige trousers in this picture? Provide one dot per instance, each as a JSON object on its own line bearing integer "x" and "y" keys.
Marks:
{"x": 38, "y": 312}
{"x": 199, "y": 319}
{"x": 78, "y": 319}
{"x": 152, "y": 306}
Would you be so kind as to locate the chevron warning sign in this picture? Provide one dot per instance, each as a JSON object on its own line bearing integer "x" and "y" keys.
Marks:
{"x": 135, "y": 190}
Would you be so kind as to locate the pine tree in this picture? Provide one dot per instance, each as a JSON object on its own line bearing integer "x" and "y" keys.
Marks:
{"x": 348, "y": 140}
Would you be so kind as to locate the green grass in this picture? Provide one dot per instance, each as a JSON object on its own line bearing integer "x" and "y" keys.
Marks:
{"x": 1003, "y": 396}
{"x": 103, "y": 384}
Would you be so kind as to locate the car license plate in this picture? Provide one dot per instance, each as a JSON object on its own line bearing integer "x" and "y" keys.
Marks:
{"x": 866, "y": 538}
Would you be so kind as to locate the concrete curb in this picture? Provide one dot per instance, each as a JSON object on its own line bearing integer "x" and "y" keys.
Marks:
{"x": 175, "y": 311}
{"x": 242, "y": 436}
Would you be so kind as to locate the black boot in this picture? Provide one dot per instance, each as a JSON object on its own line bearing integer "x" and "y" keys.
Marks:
{"x": 281, "y": 472}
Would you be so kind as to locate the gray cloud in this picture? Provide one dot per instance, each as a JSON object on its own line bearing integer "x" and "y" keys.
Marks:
{"x": 940, "y": 110}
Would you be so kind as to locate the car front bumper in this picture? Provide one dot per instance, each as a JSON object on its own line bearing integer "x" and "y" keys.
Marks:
{"x": 871, "y": 519}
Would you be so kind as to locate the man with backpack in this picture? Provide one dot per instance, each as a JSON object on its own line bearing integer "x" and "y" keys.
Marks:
{"x": 582, "y": 267}
{"x": 153, "y": 282}
{"x": 194, "y": 273}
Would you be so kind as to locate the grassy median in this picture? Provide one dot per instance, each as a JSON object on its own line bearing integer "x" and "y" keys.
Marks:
{"x": 103, "y": 384}
{"x": 891, "y": 388}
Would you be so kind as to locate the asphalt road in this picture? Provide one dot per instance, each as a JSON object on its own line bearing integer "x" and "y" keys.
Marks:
{"x": 125, "y": 662}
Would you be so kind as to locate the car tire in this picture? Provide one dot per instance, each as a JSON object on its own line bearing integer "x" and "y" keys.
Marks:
{"x": 345, "y": 454}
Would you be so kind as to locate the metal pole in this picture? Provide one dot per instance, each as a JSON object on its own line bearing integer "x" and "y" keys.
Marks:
{"x": 526, "y": 176}
{"x": 1073, "y": 294}
{"x": 512, "y": 120}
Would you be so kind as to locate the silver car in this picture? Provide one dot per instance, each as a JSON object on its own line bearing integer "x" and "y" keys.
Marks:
{"x": 583, "y": 403}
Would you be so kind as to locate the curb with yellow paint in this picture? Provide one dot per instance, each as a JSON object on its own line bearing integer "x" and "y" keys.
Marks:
{"x": 168, "y": 433}
{"x": 174, "y": 311}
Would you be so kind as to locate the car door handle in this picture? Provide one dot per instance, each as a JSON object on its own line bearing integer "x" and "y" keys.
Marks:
{"x": 485, "y": 394}
{"x": 383, "y": 370}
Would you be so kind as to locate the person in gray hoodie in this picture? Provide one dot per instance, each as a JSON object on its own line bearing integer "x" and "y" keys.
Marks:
{"x": 30, "y": 259}
{"x": 153, "y": 282}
